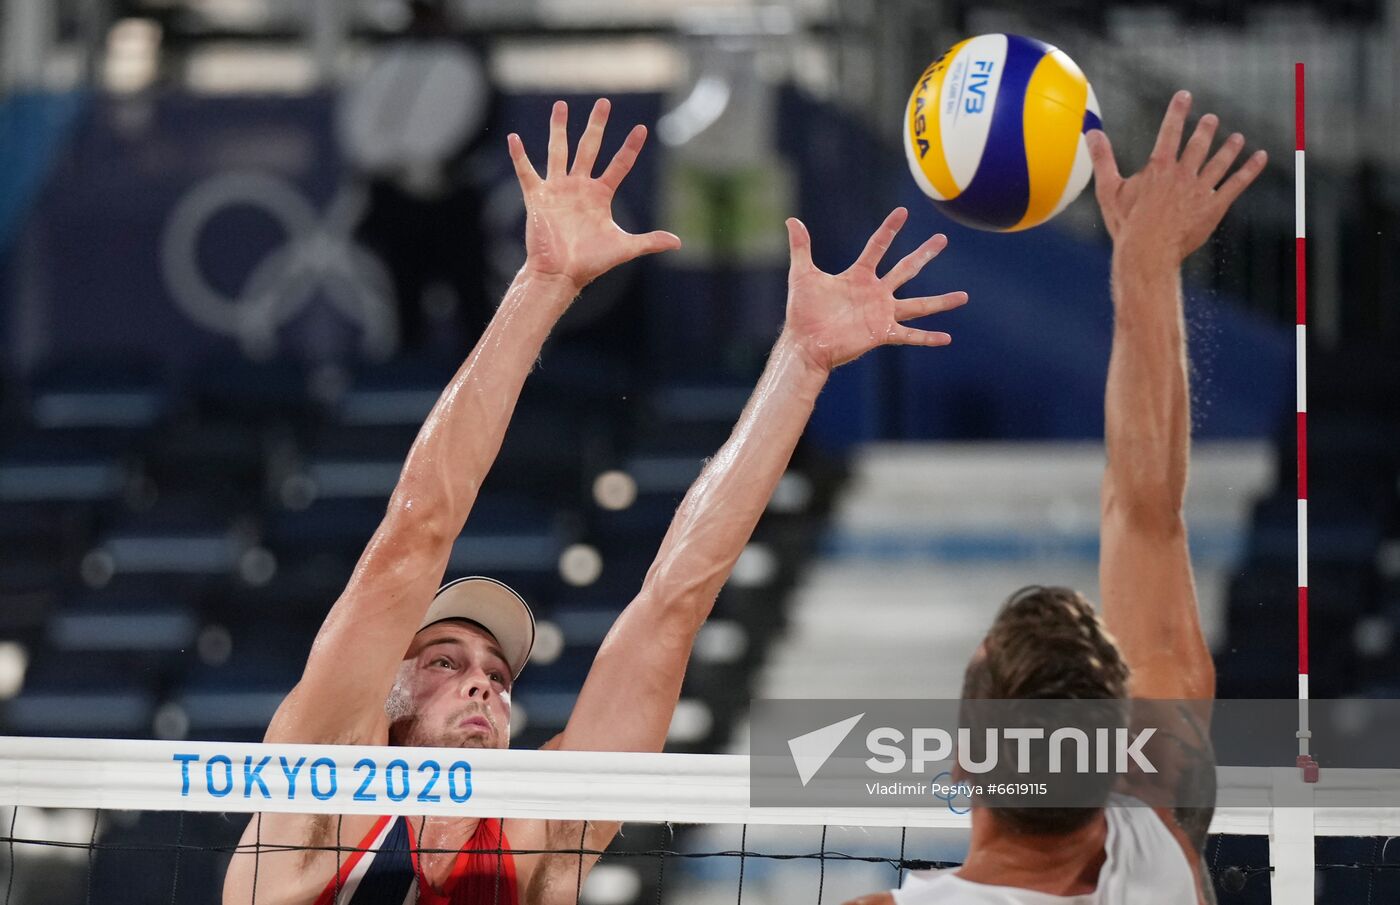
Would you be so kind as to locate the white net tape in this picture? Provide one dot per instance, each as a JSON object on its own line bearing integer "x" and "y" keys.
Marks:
{"x": 153, "y": 776}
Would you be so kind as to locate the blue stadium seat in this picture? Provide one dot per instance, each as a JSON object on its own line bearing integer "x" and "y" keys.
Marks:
{"x": 103, "y": 711}
{"x": 546, "y": 452}
{"x": 79, "y": 630}
{"x": 87, "y": 694}
{"x": 234, "y": 700}
{"x": 59, "y": 472}
{"x": 397, "y": 393}
{"x": 106, "y": 394}
{"x": 568, "y": 670}
{"x": 640, "y": 527}
{"x": 187, "y": 535}
{"x": 584, "y": 624}
{"x": 362, "y": 442}
{"x": 332, "y": 525}
{"x": 1343, "y": 527}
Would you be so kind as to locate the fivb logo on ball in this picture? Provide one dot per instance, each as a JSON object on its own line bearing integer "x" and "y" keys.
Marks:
{"x": 969, "y": 88}
{"x": 994, "y": 132}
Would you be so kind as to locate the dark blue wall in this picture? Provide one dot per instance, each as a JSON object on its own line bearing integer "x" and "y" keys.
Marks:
{"x": 1029, "y": 353}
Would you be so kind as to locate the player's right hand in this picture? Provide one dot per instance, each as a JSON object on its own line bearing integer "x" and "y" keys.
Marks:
{"x": 1173, "y": 205}
{"x": 570, "y": 234}
{"x": 836, "y": 318}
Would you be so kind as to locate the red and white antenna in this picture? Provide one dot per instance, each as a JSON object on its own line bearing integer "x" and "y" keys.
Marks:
{"x": 1305, "y": 759}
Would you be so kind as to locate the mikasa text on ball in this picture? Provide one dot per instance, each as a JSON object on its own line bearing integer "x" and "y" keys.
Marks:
{"x": 995, "y": 129}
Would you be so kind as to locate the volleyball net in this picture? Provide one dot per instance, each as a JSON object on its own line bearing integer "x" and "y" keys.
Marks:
{"x": 151, "y": 821}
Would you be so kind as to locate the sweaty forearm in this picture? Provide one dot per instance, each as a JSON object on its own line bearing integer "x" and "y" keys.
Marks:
{"x": 463, "y": 433}
{"x": 1147, "y": 405}
{"x": 719, "y": 512}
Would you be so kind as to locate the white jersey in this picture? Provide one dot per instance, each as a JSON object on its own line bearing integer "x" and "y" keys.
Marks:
{"x": 1145, "y": 865}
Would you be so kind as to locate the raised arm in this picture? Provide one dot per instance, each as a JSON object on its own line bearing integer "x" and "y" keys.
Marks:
{"x": 1157, "y": 218}
{"x": 631, "y": 691}
{"x": 570, "y": 240}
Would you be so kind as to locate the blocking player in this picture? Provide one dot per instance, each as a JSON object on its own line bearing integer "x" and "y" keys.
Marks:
{"x": 396, "y": 664}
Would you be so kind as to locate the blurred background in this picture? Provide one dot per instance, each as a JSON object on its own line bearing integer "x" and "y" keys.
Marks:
{"x": 244, "y": 244}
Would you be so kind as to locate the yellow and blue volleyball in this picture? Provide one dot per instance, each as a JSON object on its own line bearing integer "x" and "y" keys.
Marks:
{"x": 995, "y": 130}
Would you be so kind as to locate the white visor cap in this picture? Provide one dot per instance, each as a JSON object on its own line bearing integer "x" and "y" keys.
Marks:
{"x": 495, "y": 607}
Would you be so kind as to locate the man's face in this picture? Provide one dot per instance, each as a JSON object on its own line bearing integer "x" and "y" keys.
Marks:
{"x": 452, "y": 690}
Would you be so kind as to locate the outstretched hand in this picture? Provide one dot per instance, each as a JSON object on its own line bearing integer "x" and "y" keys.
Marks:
{"x": 569, "y": 228}
{"x": 836, "y": 318}
{"x": 1178, "y": 199}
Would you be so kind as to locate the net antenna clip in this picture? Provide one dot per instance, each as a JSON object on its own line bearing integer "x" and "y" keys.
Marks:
{"x": 1309, "y": 767}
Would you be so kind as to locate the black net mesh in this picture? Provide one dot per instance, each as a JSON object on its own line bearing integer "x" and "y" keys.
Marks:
{"x": 65, "y": 857}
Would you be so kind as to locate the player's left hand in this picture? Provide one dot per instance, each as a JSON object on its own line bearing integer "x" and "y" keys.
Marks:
{"x": 836, "y": 318}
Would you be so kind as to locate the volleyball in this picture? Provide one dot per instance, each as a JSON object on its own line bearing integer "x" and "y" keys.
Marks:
{"x": 994, "y": 131}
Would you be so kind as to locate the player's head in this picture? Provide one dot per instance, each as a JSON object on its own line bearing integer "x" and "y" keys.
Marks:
{"x": 1048, "y": 643}
{"x": 453, "y": 688}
